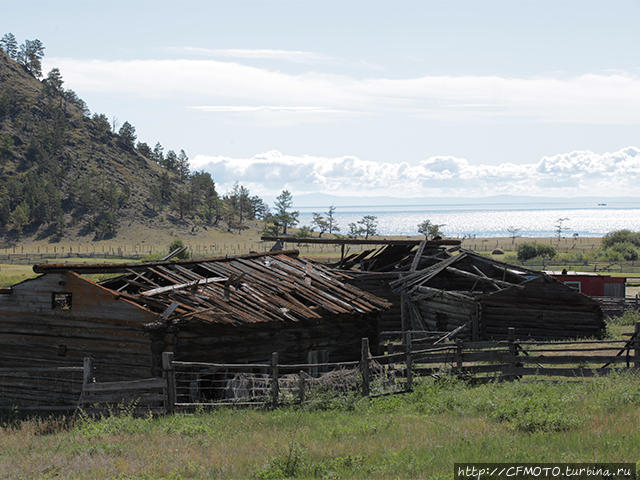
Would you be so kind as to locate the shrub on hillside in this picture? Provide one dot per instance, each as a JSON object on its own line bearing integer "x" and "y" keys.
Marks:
{"x": 529, "y": 250}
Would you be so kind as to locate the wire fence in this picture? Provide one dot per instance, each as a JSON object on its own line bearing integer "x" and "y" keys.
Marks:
{"x": 24, "y": 256}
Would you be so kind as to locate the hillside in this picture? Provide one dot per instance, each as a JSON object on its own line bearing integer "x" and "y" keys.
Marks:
{"x": 63, "y": 173}
{"x": 66, "y": 174}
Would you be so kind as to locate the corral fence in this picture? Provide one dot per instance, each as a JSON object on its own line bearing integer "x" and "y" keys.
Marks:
{"x": 616, "y": 306}
{"x": 192, "y": 385}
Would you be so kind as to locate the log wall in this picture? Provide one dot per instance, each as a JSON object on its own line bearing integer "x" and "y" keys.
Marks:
{"x": 541, "y": 310}
{"x": 340, "y": 336}
{"x": 443, "y": 311}
{"x": 98, "y": 324}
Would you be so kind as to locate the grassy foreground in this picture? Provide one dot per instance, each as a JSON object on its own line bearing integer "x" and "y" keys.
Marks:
{"x": 418, "y": 435}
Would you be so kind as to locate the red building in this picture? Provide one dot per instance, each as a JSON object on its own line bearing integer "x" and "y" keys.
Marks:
{"x": 592, "y": 284}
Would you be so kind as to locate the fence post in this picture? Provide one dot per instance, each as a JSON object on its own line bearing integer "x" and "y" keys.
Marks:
{"x": 364, "y": 366}
{"x": 513, "y": 351}
{"x": 169, "y": 374}
{"x": 636, "y": 345}
{"x": 459, "y": 354}
{"x": 275, "y": 388}
{"x": 301, "y": 386}
{"x": 409, "y": 361}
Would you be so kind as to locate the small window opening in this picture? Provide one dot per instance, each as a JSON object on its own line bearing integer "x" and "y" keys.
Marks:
{"x": 577, "y": 286}
{"x": 62, "y": 350}
{"x": 61, "y": 301}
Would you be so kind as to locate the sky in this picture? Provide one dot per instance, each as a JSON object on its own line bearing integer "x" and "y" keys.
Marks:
{"x": 416, "y": 99}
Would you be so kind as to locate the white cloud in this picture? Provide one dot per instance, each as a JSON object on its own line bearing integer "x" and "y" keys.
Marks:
{"x": 611, "y": 98}
{"x": 265, "y": 108}
{"x": 569, "y": 174}
{"x": 296, "y": 56}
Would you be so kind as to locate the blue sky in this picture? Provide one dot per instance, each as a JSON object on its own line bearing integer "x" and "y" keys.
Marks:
{"x": 424, "y": 98}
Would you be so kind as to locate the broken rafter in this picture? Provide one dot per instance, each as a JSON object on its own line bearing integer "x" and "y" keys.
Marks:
{"x": 418, "y": 254}
{"x": 474, "y": 276}
{"x": 181, "y": 286}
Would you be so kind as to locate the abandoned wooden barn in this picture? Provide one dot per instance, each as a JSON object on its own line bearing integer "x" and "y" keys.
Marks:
{"x": 233, "y": 310}
{"x": 489, "y": 296}
{"x": 374, "y": 268}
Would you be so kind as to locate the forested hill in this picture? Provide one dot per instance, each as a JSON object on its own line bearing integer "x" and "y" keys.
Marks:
{"x": 65, "y": 172}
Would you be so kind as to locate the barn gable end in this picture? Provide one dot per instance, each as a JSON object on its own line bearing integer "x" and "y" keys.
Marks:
{"x": 57, "y": 319}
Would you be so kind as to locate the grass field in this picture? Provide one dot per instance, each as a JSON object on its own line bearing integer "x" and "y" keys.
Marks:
{"x": 10, "y": 274}
{"x": 417, "y": 435}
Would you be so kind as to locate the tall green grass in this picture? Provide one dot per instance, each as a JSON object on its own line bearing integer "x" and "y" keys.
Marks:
{"x": 416, "y": 435}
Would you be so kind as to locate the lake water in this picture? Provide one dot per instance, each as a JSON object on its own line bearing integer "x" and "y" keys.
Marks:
{"x": 491, "y": 220}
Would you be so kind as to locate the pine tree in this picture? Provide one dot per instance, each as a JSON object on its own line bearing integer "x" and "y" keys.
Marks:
{"x": 30, "y": 56}
{"x": 320, "y": 222}
{"x": 182, "y": 165}
{"x": 101, "y": 126}
{"x": 331, "y": 221}
{"x": 144, "y": 150}
{"x": 20, "y": 217}
{"x": 9, "y": 45}
{"x": 158, "y": 154}
{"x": 170, "y": 161}
{"x": 53, "y": 82}
{"x": 127, "y": 136}
{"x": 283, "y": 216}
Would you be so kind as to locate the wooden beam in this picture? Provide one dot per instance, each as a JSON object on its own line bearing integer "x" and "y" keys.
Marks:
{"x": 361, "y": 241}
{"x": 417, "y": 256}
{"x": 125, "y": 267}
{"x": 182, "y": 286}
{"x": 478, "y": 277}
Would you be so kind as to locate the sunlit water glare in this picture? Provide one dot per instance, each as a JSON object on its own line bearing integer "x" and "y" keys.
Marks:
{"x": 488, "y": 220}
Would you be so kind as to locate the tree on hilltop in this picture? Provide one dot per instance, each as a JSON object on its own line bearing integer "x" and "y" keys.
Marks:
{"x": 9, "y": 44}
{"x": 30, "y": 56}
{"x": 182, "y": 165}
{"x": 127, "y": 136}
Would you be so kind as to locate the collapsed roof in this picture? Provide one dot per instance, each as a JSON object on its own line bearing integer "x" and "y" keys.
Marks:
{"x": 467, "y": 273}
{"x": 489, "y": 296}
{"x": 264, "y": 287}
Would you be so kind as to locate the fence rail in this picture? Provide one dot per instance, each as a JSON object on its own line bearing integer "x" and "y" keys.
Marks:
{"x": 188, "y": 385}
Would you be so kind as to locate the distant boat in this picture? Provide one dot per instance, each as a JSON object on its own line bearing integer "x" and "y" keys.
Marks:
{"x": 602, "y": 204}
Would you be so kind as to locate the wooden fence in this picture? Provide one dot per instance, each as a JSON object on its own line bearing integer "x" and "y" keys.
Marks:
{"x": 190, "y": 385}
{"x": 616, "y": 306}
